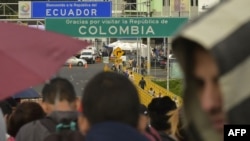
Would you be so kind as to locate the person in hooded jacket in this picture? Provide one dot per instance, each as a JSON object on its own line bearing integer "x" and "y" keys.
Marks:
{"x": 213, "y": 52}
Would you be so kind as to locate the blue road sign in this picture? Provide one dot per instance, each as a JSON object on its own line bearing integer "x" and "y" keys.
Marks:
{"x": 70, "y": 9}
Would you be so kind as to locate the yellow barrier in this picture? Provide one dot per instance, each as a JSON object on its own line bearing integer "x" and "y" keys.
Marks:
{"x": 146, "y": 98}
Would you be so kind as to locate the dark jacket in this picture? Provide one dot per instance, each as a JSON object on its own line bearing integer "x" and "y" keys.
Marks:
{"x": 114, "y": 131}
{"x": 35, "y": 131}
{"x": 142, "y": 83}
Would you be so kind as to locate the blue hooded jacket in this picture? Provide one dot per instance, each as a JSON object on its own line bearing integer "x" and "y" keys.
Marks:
{"x": 114, "y": 131}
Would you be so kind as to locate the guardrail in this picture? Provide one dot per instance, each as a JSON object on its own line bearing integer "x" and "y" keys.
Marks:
{"x": 146, "y": 98}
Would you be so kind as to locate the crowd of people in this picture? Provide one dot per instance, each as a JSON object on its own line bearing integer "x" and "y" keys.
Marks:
{"x": 214, "y": 58}
{"x": 111, "y": 112}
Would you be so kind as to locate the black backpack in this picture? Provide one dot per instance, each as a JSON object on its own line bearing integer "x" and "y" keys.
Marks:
{"x": 65, "y": 130}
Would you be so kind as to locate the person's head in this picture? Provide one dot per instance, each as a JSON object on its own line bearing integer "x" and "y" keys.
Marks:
{"x": 59, "y": 95}
{"x": 206, "y": 78}
{"x": 24, "y": 113}
{"x": 158, "y": 109}
{"x": 143, "y": 119}
{"x": 202, "y": 84}
{"x": 142, "y": 78}
{"x": 109, "y": 97}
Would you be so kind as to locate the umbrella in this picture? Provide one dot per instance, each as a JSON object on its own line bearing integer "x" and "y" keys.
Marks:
{"x": 114, "y": 44}
{"x": 122, "y": 45}
{"x": 139, "y": 45}
{"x": 30, "y": 56}
{"x": 28, "y": 93}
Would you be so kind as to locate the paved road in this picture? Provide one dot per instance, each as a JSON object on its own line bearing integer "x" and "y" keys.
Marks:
{"x": 79, "y": 76}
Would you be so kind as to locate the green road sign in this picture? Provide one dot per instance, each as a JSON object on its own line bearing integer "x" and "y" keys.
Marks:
{"x": 115, "y": 27}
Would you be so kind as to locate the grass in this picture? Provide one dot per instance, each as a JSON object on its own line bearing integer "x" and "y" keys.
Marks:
{"x": 175, "y": 85}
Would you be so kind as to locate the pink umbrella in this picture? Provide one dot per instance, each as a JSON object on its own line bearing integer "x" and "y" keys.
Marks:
{"x": 30, "y": 56}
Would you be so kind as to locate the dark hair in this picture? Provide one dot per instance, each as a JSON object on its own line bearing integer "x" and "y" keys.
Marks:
{"x": 61, "y": 87}
{"x": 158, "y": 109}
{"x": 111, "y": 97}
{"x": 24, "y": 113}
{"x": 5, "y": 107}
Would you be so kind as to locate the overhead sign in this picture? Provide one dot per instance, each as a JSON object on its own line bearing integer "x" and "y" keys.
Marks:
{"x": 118, "y": 52}
{"x": 116, "y": 27}
{"x": 66, "y": 9}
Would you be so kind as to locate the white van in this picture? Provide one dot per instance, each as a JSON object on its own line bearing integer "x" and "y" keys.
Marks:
{"x": 89, "y": 55}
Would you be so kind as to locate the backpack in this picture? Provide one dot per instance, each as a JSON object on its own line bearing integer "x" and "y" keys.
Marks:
{"x": 66, "y": 130}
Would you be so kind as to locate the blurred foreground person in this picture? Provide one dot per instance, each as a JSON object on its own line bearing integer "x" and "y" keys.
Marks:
{"x": 59, "y": 103}
{"x": 145, "y": 127}
{"x": 6, "y": 109}
{"x": 213, "y": 52}
{"x": 158, "y": 109}
{"x": 110, "y": 105}
{"x": 24, "y": 113}
{"x": 177, "y": 126}
{"x": 3, "y": 132}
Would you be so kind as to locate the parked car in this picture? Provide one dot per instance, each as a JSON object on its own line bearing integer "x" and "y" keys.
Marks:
{"x": 74, "y": 61}
{"x": 163, "y": 61}
{"x": 155, "y": 63}
{"x": 158, "y": 62}
{"x": 89, "y": 55}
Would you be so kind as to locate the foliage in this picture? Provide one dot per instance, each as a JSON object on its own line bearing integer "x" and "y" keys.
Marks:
{"x": 175, "y": 85}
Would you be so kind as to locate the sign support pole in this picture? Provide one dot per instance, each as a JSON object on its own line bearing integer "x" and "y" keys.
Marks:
{"x": 164, "y": 46}
{"x": 168, "y": 64}
{"x": 148, "y": 43}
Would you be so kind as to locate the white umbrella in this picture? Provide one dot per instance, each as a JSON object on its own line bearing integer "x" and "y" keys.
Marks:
{"x": 139, "y": 45}
{"x": 142, "y": 47}
{"x": 130, "y": 46}
{"x": 114, "y": 44}
{"x": 122, "y": 45}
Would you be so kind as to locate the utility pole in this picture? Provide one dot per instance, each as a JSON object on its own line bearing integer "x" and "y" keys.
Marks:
{"x": 168, "y": 63}
{"x": 164, "y": 46}
{"x": 148, "y": 42}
